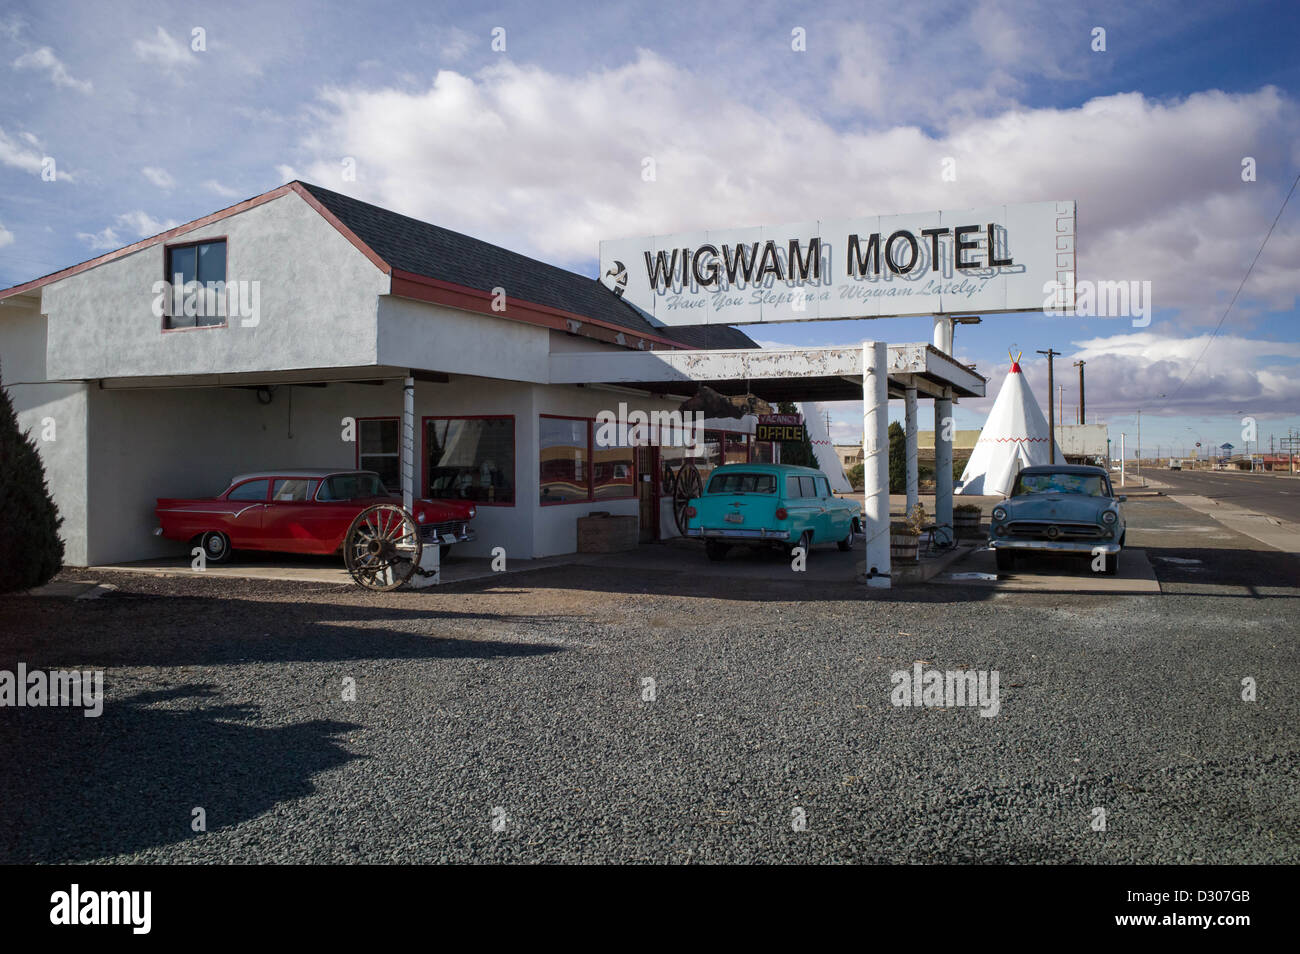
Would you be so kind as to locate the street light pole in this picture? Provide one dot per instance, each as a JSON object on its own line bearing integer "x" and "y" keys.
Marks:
{"x": 1083, "y": 412}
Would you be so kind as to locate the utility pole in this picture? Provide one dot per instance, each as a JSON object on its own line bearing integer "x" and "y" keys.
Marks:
{"x": 1051, "y": 411}
{"x": 1137, "y": 461}
{"x": 1083, "y": 405}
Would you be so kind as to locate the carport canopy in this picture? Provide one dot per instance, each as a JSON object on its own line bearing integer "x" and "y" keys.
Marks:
{"x": 872, "y": 373}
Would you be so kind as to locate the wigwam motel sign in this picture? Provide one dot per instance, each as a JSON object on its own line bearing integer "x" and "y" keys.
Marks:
{"x": 966, "y": 261}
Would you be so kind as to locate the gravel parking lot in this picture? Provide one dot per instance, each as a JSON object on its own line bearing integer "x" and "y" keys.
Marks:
{"x": 518, "y": 706}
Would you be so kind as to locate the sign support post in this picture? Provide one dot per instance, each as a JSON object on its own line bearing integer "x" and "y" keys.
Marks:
{"x": 875, "y": 461}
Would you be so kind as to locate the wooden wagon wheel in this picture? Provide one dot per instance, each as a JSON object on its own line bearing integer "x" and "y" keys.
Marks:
{"x": 668, "y": 481}
{"x": 382, "y": 547}
{"x": 686, "y": 487}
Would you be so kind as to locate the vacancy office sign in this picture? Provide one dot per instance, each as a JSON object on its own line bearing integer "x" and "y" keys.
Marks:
{"x": 964, "y": 261}
{"x": 782, "y": 428}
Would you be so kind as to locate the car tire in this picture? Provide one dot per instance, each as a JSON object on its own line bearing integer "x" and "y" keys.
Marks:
{"x": 846, "y": 544}
{"x": 215, "y": 546}
{"x": 1006, "y": 560}
{"x": 444, "y": 550}
{"x": 1112, "y": 564}
{"x": 716, "y": 551}
{"x": 805, "y": 541}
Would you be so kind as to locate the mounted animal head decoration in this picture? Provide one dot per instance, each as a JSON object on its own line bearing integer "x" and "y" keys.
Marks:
{"x": 715, "y": 405}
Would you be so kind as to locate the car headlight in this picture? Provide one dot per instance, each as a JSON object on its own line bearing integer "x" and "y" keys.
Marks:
{"x": 419, "y": 517}
{"x": 999, "y": 514}
{"x": 472, "y": 512}
{"x": 1109, "y": 518}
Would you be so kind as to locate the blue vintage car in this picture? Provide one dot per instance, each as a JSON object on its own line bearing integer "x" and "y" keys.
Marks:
{"x": 770, "y": 505}
{"x": 1059, "y": 508}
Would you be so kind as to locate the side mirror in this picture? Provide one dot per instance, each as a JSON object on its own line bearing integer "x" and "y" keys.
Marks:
{"x": 1121, "y": 498}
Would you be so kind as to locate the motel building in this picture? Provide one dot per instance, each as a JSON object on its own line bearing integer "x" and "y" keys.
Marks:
{"x": 349, "y": 336}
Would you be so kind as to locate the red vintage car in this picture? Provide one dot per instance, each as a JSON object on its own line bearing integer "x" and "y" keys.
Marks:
{"x": 299, "y": 511}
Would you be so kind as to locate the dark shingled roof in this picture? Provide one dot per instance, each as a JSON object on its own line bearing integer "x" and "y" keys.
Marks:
{"x": 410, "y": 245}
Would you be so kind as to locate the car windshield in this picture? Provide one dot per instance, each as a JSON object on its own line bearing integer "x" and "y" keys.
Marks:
{"x": 1089, "y": 485}
{"x": 352, "y": 487}
{"x": 736, "y": 482}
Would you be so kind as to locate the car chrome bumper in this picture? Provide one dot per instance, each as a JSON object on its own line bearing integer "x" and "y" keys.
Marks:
{"x": 430, "y": 534}
{"x": 729, "y": 533}
{"x": 1082, "y": 547}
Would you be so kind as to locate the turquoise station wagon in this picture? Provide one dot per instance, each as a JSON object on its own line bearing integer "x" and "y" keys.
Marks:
{"x": 761, "y": 505}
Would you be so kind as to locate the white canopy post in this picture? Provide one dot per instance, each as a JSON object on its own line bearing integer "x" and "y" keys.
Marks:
{"x": 943, "y": 431}
{"x": 408, "y": 444}
{"x": 909, "y": 431}
{"x": 875, "y": 460}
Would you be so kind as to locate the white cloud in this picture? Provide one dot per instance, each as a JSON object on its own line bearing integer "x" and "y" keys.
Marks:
{"x": 159, "y": 177}
{"x": 454, "y": 43}
{"x": 19, "y": 157}
{"x": 103, "y": 241}
{"x": 144, "y": 224}
{"x": 139, "y": 224}
{"x": 552, "y": 163}
{"x": 164, "y": 51}
{"x": 43, "y": 60}
{"x": 1144, "y": 370}
{"x": 6, "y": 237}
{"x": 212, "y": 185}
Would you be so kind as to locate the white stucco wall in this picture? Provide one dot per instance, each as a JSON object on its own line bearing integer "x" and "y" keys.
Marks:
{"x": 317, "y": 308}
{"x": 436, "y": 338}
{"x": 54, "y": 414}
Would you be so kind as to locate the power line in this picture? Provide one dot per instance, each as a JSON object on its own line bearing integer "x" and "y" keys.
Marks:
{"x": 1219, "y": 328}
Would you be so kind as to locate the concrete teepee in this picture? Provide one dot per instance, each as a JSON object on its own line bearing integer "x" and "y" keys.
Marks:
{"x": 1015, "y": 436}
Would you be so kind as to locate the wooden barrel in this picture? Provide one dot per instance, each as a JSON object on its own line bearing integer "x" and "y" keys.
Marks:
{"x": 966, "y": 523}
{"x": 903, "y": 547}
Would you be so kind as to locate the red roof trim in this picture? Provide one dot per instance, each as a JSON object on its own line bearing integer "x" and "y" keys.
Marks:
{"x": 346, "y": 232}
{"x": 436, "y": 291}
{"x": 145, "y": 243}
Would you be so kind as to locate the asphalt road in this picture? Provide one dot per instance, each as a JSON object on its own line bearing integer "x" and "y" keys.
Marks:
{"x": 510, "y": 722}
{"x": 1275, "y": 496}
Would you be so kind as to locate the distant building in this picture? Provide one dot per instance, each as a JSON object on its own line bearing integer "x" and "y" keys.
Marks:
{"x": 850, "y": 455}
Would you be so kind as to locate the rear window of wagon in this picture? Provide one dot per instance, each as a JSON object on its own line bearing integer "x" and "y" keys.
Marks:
{"x": 736, "y": 482}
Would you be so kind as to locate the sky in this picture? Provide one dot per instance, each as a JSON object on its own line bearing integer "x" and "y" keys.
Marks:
{"x": 157, "y": 113}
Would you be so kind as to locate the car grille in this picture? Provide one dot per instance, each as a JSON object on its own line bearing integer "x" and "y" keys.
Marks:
{"x": 430, "y": 532}
{"x": 1040, "y": 530}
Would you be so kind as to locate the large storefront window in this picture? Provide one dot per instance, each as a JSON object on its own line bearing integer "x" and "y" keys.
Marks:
{"x": 470, "y": 458}
{"x": 613, "y": 472}
{"x": 573, "y": 469}
{"x": 379, "y": 448}
{"x": 564, "y": 459}
{"x": 735, "y": 448}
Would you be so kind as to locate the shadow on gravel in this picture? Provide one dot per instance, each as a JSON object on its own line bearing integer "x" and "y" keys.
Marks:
{"x": 134, "y": 630}
{"x": 75, "y": 789}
